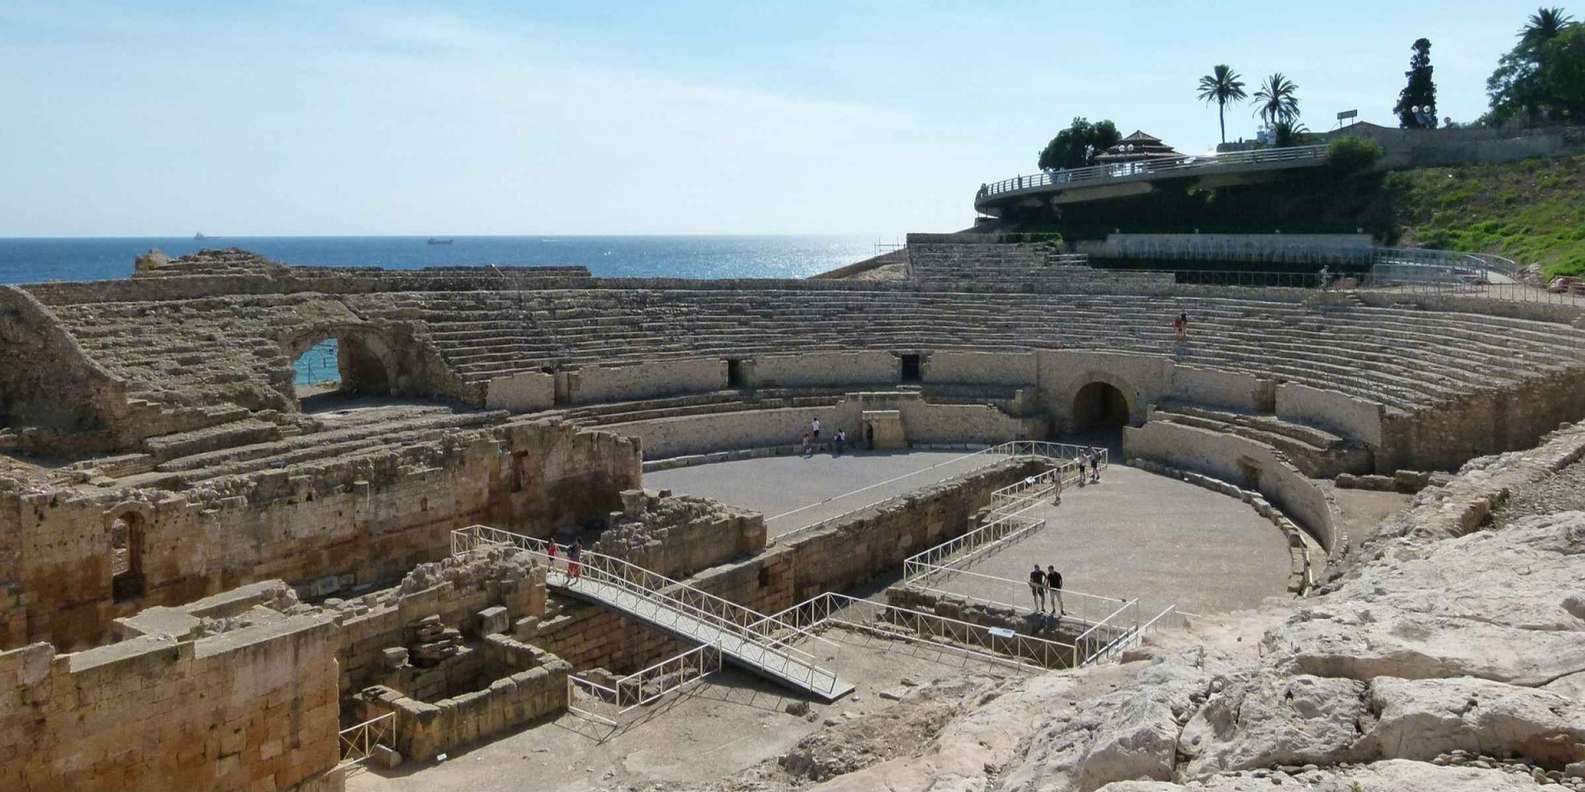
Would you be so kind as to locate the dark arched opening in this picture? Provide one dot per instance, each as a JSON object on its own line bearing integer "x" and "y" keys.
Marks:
{"x": 1099, "y": 407}
{"x": 126, "y": 557}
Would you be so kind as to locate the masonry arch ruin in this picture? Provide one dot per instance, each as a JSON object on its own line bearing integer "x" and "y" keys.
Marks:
{"x": 126, "y": 528}
{"x": 1100, "y": 406}
{"x": 366, "y": 361}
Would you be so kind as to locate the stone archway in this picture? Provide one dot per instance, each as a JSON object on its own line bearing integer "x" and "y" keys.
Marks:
{"x": 1100, "y": 407}
{"x": 365, "y": 363}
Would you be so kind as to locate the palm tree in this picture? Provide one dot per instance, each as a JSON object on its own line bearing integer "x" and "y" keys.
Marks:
{"x": 1277, "y": 100}
{"x": 1221, "y": 86}
{"x": 1544, "y": 25}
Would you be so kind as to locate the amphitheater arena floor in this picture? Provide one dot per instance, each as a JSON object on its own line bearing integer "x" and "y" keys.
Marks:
{"x": 1136, "y": 535}
{"x": 795, "y": 491}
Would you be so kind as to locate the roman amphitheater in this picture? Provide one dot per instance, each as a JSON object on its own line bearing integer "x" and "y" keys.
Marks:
{"x": 1337, "y": 540}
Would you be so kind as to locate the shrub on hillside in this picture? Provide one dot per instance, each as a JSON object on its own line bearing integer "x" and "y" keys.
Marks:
{"x": 1350, "y": 154}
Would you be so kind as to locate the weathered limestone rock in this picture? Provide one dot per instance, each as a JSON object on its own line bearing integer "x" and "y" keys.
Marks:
{"x": 1455, "y": 608}
{"x": 1269, "y": 719}
{"x": 1396, "y": 776}
{"x": 1419, "y": 719}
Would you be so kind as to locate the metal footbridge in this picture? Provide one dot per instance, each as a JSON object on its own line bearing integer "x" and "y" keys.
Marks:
{"x": 745, "y": 637}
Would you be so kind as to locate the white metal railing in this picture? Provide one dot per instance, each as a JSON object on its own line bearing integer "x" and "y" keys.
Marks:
{"x": 1146, "y": 168}
{"x": 1014, "y": 448}
{"x": 679, "y": 599}
{"x": 1184, "y": 165}
{"x": 649, "y": 685}
{"x": 357, "y": 742}
{"x": 998, "y": 533}
{"x": 997, "y": 645}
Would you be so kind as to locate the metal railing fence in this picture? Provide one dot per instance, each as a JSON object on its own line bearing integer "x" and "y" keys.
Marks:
{"x": 648, "y": 685}
{"x": 996, "y": 645}
{"x": 1014, "y": 448}
{"x": 1185, "y": 165}
{"x": 753, "y": 628}
{"x": 357, "y": 742}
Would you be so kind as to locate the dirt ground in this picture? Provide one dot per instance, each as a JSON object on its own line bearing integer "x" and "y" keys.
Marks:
{"x": 731, "y": 729}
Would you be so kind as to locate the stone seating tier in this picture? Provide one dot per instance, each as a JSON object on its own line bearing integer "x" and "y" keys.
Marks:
{"x": 1403, "y": 358}
{"x": 215, "y": 351}
{"x": 1316, "y": 452}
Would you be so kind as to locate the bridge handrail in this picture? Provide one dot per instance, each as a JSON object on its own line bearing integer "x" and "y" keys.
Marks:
{"x": 746, "y": 623}
{"x": 1142, "y": 167}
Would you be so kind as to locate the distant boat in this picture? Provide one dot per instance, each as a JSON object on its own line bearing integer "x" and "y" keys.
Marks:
{"x": 434, "y": 241}
{"x": 199, "y": 236}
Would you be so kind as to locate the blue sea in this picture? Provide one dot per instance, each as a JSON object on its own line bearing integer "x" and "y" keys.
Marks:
{"x": 27, "y": 260}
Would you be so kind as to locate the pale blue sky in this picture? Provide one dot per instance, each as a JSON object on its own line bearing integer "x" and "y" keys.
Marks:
{"x": 875, "y": 118}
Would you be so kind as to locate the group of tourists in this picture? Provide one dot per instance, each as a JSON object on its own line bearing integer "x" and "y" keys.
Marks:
{"x": 1091, "y": 460}
{"x": 574, "y": 559}
{"x": 1046, "y": 588}
{"x": 811, "y": 438}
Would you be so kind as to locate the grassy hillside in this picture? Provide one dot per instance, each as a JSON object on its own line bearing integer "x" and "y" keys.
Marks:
{"x": 1531, "y": 211}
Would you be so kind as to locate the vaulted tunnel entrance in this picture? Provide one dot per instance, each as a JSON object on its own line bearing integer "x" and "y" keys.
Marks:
{"x": 1099, "y": 407}
{"x": 339, "y": 366}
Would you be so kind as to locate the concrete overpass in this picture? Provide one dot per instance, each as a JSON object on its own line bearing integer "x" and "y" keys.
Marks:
{"x": 1102, "y": 182}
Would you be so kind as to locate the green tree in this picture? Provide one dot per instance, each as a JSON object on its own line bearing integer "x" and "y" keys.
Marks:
{"x": 1221, "y": 86}
{"x": 1288, "y": 133}
{"x": 1277, "y": 100}
{"x": 1420, "y": 92}
{"x": 1541, "y": 75}
{"x": 1077, "y": 145}
{"x": 1543, "y": 26}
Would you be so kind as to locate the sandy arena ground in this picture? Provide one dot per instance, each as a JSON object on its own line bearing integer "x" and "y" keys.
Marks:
{"x": 775, "y": 486}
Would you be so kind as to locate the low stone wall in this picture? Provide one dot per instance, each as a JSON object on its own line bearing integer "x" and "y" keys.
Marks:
{"x": 826, "y": 369}
{"x": 986, "y": 617}
{"x": 980, "y": 368}
{"x": 599, "y": 384}
{"x": 1350, "y": 417}
{"x": 253, "y": 708}
{"x": 1242, "y": 462}
{"x": 424, "y": 730}
{"x": 1226, "y": 389}
{"x": 525, "y": 391}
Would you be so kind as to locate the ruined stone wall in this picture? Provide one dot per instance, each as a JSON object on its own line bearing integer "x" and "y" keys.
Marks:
{"x": 355, "y": 522}
{"x": 677, "y": 536}
{"x": 1482, "y": 423}
{"x": 424, "y": 729}
{"x": 248, "y": 709}
{"x": 589, "y": 636}
{"x": 50, "y": 392}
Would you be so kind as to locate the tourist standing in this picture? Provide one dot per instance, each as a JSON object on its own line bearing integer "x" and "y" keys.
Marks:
{"x": 1054, "y": 583}
{"x": 808, "y": 449}
{"x": 1181, "y": 325}
{"x": 1037, "y": 588}
{"x": 1056, "y": 489}
{"x": 550, "y": 550}
{"x": 841, "y": 441}
{"x": 1095, "y": 467}
{"x": 574, "y": 559}
{"x": 814, "y": 429}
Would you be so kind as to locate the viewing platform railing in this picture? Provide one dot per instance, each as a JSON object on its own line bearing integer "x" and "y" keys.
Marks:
{"x": 1187, "y": 165}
